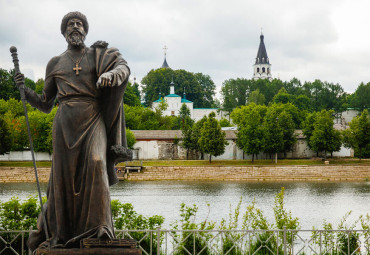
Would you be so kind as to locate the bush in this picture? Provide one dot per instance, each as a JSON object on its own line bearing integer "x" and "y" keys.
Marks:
{"x": 190, "y": 242}
{"x": 125, "y": 217}
{"x": 131, "y": 140}
{"x": 5, "y": 142}
{"x": 15, "y": 215}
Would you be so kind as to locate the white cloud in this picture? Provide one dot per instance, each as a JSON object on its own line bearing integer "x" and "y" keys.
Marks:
{"x": 325, "y": 40}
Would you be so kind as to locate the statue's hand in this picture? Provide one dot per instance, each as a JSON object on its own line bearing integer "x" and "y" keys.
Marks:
{"x": 105, "y": 80}
{"x": 19, "y": 80}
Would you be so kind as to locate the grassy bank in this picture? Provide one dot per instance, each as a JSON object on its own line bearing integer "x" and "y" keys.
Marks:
{"x": 206, "y": 163}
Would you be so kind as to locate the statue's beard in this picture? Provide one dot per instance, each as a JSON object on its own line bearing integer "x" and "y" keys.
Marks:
{"x": 75, "y": 39}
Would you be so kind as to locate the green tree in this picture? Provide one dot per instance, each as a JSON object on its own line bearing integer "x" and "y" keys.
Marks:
{"x": 289, "y": 138}
{"x": 156, "y": 82}
{"x": 212, "y": 138}
{"x": 13, "y": 106}
{"x": 361, "y": 97}
{"x": 186, "y": 124}
{"x": 239, "y": 114}
{"x": 141, "y": 118}
{"x": 256, "y": 97}
{"x": 297, "y": 115}
{"x": 8, "y": 87}
{"x": 324, "y": 137}
{"x": 234, "y": 93}
{"x": 294, "y": 87}
{"x": 40, "y": 83}
{"x": 199, "y": 87}
{"x": 250, "y": 136}
{"x": 283, "y": 97}
{"x": 208, "y": 88}
{"x": 130, "y": 137}
{"x": 325, "y": 95}
{"x": 273, "y": 133}
{"x": 357, "y": 136}
{"x": 303, "y": 103}
{"x": 196, "y": 132}
{"x": 132, "y": 95}
{"x": 5, "y": 142}
{"x": 225, "y": 123}
{"x": 41, "y": 125}
{"x": 308, "y": 127}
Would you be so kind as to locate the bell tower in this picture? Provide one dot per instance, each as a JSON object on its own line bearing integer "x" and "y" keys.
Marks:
{"x": 262, "y": 67}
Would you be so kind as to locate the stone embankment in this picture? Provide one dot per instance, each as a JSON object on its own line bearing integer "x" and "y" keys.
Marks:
{"x": 23, "y": 174}
{"x": 218, "y": 173}
{"x": 256, "y": 173}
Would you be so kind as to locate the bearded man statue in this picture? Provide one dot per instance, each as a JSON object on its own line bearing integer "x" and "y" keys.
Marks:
{"x": 89, "y": 83}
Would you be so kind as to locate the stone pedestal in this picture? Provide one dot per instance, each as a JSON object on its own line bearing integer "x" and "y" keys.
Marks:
{"x": 90, "y": 251}
{"x": 92, "y": 246}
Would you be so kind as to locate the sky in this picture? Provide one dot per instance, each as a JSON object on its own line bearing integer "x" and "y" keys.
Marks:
{"x": 316, "y": 39}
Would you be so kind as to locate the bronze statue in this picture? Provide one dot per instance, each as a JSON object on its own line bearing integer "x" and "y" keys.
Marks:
{"x": 89, "y": 83}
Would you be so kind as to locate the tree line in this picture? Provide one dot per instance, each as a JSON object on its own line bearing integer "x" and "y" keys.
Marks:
{"x": 266, "y": 113}
{"x": 201, "y": 90}
{"x": 272, "y": 129}
{"x": 309, "y": 96}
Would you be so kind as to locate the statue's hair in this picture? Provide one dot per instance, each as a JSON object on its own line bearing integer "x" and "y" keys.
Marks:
{"x": 74, "y": 15}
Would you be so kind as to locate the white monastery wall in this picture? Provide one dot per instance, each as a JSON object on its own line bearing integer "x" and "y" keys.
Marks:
{"x": 25, "y": 156}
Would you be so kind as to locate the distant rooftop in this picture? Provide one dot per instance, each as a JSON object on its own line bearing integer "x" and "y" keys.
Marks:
{"x": 165, "y": 65}
{"x": 184, "y": 100}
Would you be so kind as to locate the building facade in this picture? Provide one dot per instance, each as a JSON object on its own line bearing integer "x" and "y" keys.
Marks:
{"x": 160, "y": 144}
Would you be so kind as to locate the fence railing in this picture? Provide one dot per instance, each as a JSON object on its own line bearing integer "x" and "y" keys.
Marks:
{"x": 233, "y": 242}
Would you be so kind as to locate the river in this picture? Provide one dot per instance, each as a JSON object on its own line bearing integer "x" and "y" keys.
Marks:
{"x": 311, "y": 202}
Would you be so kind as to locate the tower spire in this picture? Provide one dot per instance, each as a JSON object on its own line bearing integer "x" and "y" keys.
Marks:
{"x": 262, "y": 66}
{"x": 165, "y": 65}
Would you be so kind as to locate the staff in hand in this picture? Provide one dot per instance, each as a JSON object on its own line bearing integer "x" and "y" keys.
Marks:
{"x": 19, "y": 81}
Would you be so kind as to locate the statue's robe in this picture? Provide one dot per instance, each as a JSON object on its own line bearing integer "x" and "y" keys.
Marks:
{"x": 86, "y": 125}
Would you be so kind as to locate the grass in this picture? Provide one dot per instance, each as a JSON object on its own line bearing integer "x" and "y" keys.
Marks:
{"x": 24, "y": 164}
{"x": 244, "y": 162}
{"x": 281, "y": 162}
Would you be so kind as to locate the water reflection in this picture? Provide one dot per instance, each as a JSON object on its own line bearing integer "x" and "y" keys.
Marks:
{"x": 311, "y": 202}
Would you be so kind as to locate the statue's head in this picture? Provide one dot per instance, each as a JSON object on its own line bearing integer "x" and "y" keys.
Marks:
{"x": 74, "y": 27}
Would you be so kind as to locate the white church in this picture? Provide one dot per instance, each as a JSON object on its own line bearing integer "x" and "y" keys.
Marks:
{"x": 175, "y": 102}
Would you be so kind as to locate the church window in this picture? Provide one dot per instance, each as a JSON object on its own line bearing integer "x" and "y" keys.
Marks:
{"x": 263, "y": 69}
{"x": 268, "y": 70}
{"x": 258, "y": 69}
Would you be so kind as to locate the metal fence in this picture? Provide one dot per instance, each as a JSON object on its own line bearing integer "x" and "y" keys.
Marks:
{"x": 233, "y": 242}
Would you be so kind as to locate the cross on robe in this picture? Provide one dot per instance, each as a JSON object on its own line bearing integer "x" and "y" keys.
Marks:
{"x": 77, "y": 69}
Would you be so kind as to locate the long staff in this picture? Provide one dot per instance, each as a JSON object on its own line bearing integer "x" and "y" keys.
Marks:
{"x": 13, "y": 50}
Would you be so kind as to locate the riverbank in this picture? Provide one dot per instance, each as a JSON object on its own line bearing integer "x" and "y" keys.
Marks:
{"x": 263, "y": 162}
{"x": 256, "y": 173}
